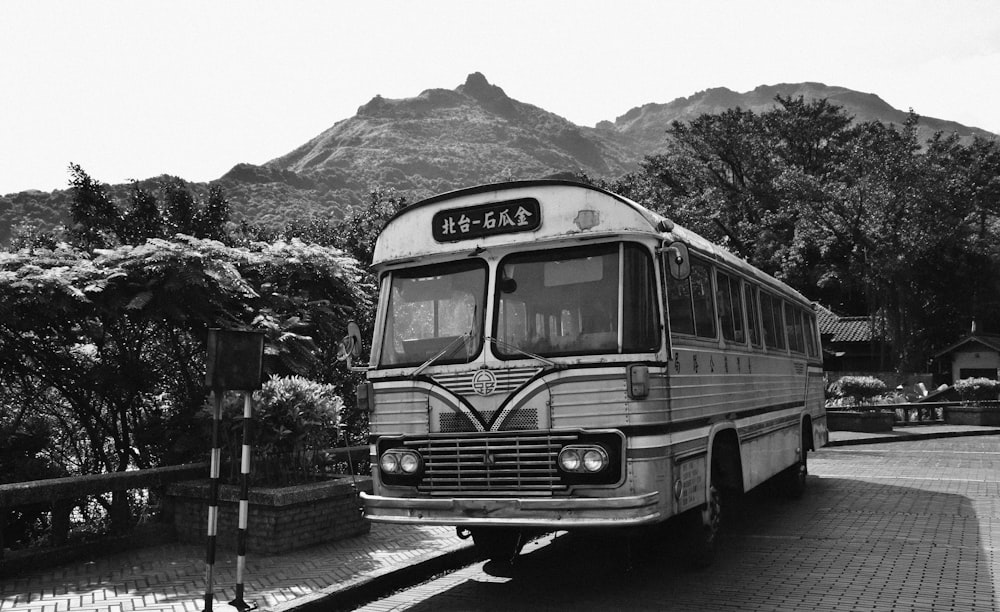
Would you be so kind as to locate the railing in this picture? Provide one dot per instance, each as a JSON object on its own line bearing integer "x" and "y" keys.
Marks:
{"x": 59, "y": 493}
{"x": 923, "y": 412}
{"x": 908, "y": 412}
{"x": 62, "y": 494}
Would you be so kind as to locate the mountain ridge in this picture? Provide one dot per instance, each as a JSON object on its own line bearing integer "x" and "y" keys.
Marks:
{"x": 445, "y": 139}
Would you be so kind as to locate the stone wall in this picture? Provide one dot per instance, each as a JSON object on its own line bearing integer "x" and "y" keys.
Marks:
{"x": 280, "y": 519}
{"x": 972, "y": 415}
{"x": 869, "y": 422}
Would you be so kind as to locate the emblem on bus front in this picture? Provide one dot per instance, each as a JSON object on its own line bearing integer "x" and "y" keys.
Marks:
{"x": 484, "y": 382}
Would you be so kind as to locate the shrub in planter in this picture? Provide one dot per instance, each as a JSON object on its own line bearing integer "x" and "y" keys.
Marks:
{"x": 858, "y": 390}
{"x": 974, "y": 390}
{"x": 294, "y": 421}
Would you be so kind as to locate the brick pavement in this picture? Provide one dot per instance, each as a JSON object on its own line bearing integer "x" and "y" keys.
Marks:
{"x": 172, "y": 577}
{"x": 884, "y": 527}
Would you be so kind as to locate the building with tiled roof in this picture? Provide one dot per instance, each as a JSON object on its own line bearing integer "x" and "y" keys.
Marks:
{"x": 849, "y": 343}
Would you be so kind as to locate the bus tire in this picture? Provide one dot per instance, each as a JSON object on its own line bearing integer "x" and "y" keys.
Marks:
{"x": 793, "y": 479}
{"x": 498, "y": 544}
{"x": 702, "y": 528}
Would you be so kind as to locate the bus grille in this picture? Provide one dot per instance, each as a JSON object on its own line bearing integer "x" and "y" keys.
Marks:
{"x": 520, "y": 419}
{"x": 491, "y": 464}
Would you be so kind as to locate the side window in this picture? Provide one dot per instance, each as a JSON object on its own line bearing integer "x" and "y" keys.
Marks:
{"x": 730, "y": 307}
{"x": 793, "y": 327}
{"x": 692, "y": 309}
{"x": 811, "y": 346}
{"x": 701, "y": 297}
{"x": 753, "y": 313}
{"x": 774, "y": 329}
{"x": 800, "y": 329}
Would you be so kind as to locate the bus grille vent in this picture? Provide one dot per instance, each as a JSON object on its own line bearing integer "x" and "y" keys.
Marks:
{"x": 522, "y": 419}
{"x": 453, "y": 422}
{"x": 491, "y": 463}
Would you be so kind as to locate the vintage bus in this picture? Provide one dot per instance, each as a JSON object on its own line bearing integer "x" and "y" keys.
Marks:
{"x": 548, "y": 355}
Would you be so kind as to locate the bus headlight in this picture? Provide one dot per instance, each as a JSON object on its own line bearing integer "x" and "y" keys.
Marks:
{"x": 409, "y": 462}
{"x": 585, "y": 459}
{"x": 595, "y": 459}
{"x": 400, "y": 461}
{"x": 389, "y": 463}
{"x": 569, "y": 459}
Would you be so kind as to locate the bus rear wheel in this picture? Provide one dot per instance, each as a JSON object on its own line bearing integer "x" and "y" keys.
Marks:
{"x": 793, "y": 479}
{"x": 498, "y": 544}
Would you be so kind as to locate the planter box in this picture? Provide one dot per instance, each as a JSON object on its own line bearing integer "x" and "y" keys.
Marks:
{"x": 972, "y": 415}
{"x": 279, "y": 519}
{"x": 869, "y": 422}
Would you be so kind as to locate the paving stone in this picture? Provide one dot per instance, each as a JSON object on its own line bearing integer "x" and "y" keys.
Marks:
{"x": 891, "y": 526}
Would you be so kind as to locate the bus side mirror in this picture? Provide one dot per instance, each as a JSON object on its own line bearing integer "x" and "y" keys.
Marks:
{"x": 678, "y": 260}
{"x": 350, "y": 346}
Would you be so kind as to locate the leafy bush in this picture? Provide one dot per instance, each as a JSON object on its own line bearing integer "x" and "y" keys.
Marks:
{"x": 859, "y": 389}
{"x": 294, "y": 421}
{"x": 977, "y": 389}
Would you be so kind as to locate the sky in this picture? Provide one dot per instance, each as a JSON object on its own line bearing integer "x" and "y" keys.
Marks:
{"x": 130, "y": 89}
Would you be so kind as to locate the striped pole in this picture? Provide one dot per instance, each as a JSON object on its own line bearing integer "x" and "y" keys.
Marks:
{"x": 241, "y": 542}
{"x": 213, "y": 501}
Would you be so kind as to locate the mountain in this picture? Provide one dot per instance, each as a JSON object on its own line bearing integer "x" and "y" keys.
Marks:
{"x": 446, "y": 139}
{"x": 645, "y": 125}
{"x": 438, "y": 141}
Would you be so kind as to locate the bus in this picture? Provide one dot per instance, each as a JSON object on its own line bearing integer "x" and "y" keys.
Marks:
{"x": 550, "y": 356}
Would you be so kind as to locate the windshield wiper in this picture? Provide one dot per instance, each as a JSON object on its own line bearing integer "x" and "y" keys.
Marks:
{"x": 469, "y": 335}
{"x": 507, "y": 346}
{"x": 451, "y": 346}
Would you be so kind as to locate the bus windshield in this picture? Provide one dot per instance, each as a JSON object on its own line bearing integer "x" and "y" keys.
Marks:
{"x": 433, "y": 309}
{"x": 566, "y": 301}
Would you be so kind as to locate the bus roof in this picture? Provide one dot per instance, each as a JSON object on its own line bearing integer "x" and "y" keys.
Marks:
{"x": 436, "y": 225}
{"x": 517, "y": 212}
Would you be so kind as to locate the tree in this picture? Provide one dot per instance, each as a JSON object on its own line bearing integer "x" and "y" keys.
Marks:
{"x": 210, "y": 221}
{"x": 860, "y": 216}
{"x": 142, "y": 219}
{"x": 109, "y": 345}
{"x": 356, "y": 235}
{"x": 95, "y": 219}
{"x": 98, "y": 222}
{"x": 179, "y": 209}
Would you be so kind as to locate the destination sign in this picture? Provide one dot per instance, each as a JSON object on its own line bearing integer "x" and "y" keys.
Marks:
{"x": 522, "y": 215}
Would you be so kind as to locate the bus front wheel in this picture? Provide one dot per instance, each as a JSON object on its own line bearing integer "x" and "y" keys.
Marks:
{"x": 498, "y": 544}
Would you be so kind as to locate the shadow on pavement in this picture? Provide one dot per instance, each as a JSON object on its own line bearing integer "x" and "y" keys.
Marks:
{"x": 848, "y": 545}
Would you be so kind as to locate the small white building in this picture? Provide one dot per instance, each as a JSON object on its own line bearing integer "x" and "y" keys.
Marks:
{"x": 975, "y": 356}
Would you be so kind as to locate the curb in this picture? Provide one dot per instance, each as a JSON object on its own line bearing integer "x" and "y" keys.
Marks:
{"x": 913, "y": 436}
{"x": 371, "y": 588}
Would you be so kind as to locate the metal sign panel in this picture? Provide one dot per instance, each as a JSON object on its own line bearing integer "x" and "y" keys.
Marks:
{"x": 235, "y": 359}
{"x": 512, "y": 216}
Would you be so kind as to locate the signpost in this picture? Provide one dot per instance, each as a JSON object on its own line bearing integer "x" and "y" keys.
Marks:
{"x": 235, "y": 362}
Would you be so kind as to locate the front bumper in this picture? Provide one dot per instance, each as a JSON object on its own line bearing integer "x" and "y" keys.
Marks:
{"x": 558, "y": 513}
